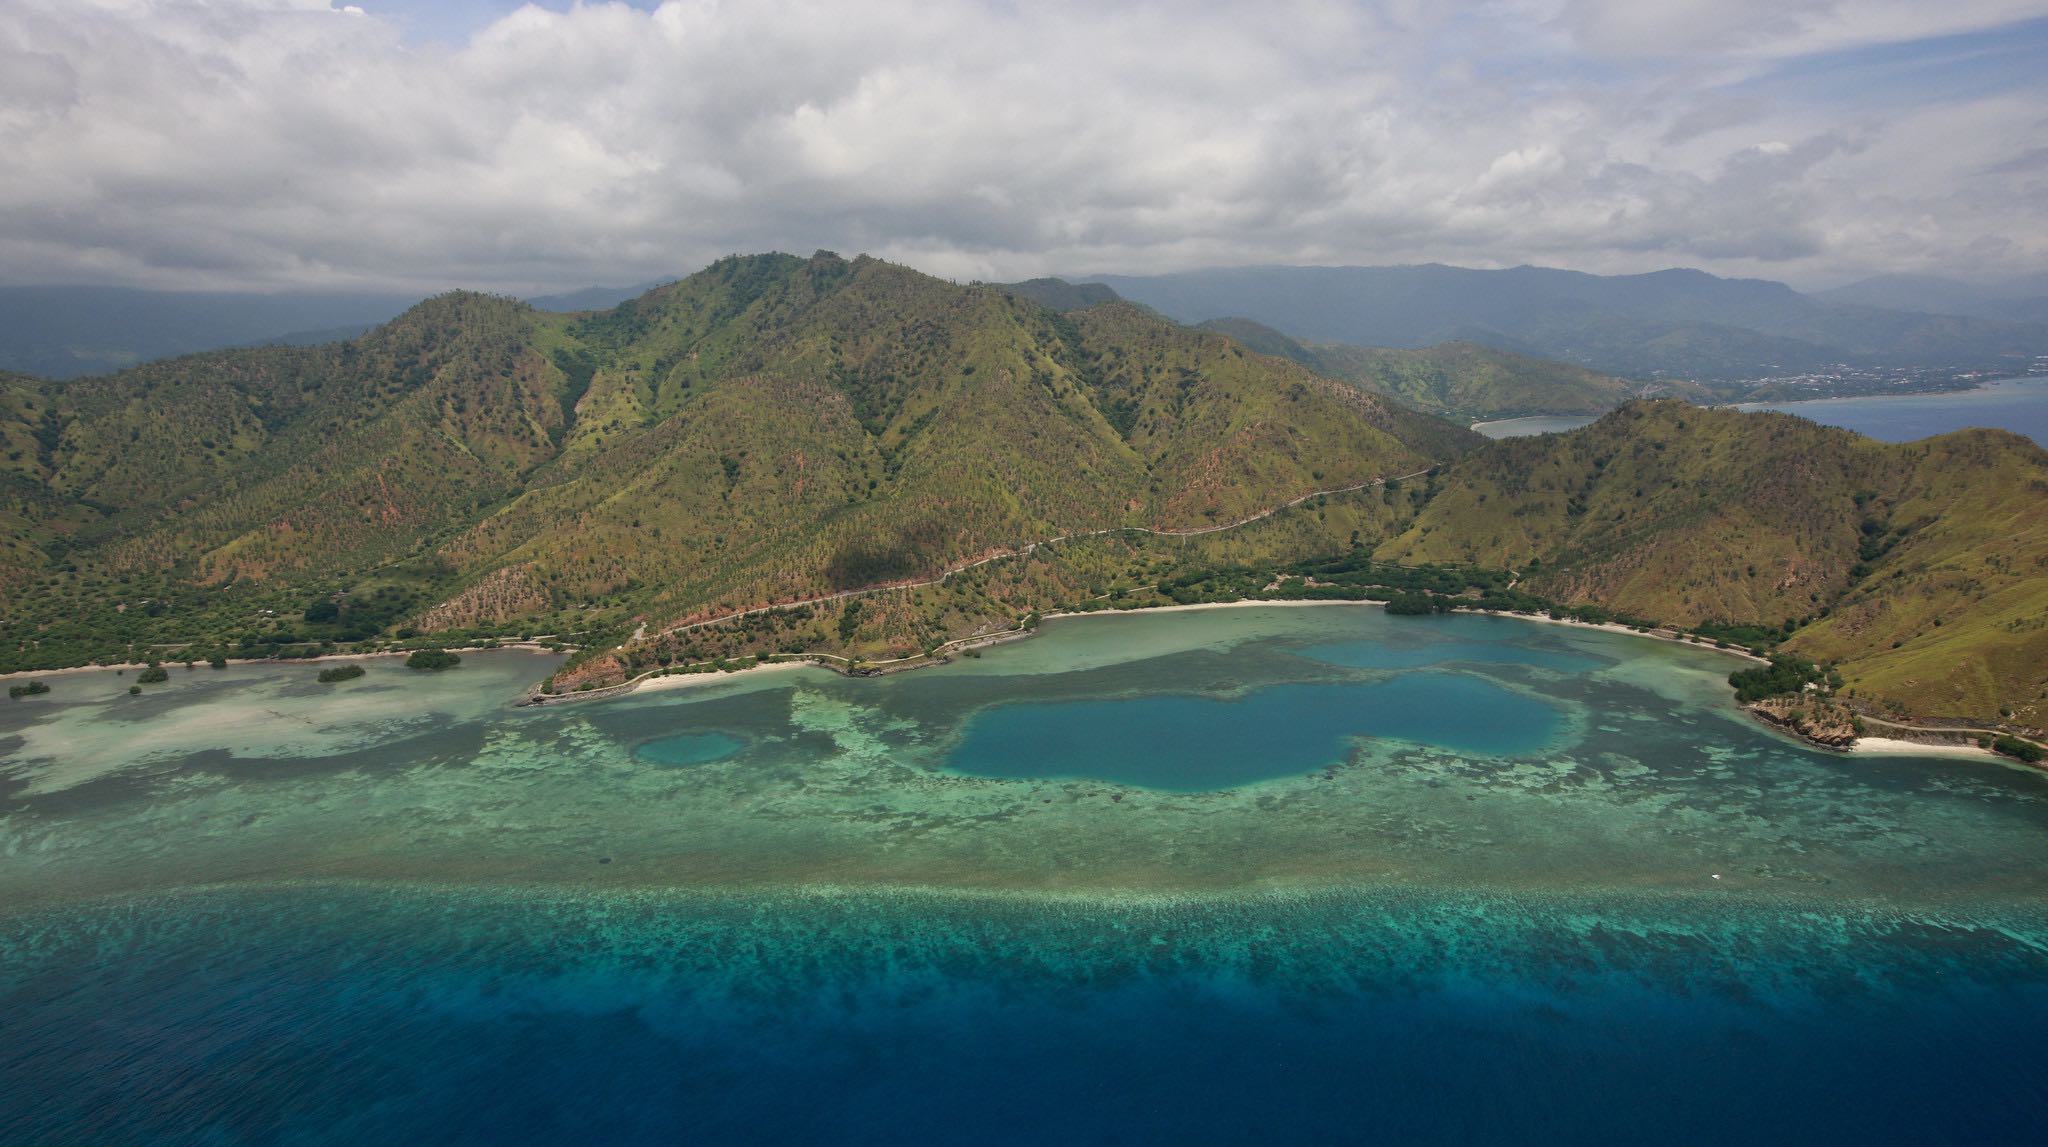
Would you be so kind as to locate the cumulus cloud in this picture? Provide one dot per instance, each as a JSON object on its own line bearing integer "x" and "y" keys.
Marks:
{"x": 258, "y": 143}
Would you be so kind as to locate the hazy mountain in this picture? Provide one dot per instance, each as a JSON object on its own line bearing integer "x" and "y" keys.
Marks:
{"x": 593, "y": 298}
{"x": 64, "y": 332}
{"x": 1676, "y": 322}
{"x": 2017, "y": 300}
{"x": 67, "y": 332}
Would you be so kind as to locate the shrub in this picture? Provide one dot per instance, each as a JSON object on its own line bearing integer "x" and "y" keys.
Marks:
{"x": 218, "y": 661}
{"x": 434, "y": 659}
{"x": 134, "y": 689}
{"x": 154, "y": 675}
{"x": 340, "y": 673}
{"x": 1786, "y": 674}
{"x": 1416, "y": 604}
{"x": 2027, "y": 751}
{"x": 29, "y": 689}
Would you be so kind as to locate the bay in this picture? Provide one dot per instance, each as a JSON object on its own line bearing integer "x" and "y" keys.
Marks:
{"x": 1440, "y": 879}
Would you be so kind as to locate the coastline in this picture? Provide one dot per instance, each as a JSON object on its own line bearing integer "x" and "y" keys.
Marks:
{"x": 1895, "y": 747}
{"x": 668, "y": 679}
{"x": 72, "y": 670}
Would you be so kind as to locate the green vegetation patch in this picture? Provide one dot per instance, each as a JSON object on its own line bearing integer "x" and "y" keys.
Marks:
{"x": 433, "y": 659}
{"x": 345, "y": 673}
{"x": 2026, "y": 751}
{"x": 27, "y": 689}
{"x": 1787, "y": 673}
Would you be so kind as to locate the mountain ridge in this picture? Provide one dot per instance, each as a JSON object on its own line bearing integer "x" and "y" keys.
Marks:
{"x": 1676, "y": 322}
{"x": 755, "y": 440}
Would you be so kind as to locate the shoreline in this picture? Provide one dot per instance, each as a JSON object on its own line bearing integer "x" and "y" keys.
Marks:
{"x": 168, "y": 662}
{"x": 1751, "y": 405}
{"x": 667, "y": 679}
{"x": 1898, "y": 747}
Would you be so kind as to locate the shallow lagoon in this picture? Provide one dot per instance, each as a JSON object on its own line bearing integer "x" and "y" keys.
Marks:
{"x": 251, "y": 909}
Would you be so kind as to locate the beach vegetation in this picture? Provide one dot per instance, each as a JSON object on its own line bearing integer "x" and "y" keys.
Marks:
{"x": 432, "y": 659}
{"x": 2017, "y": 747}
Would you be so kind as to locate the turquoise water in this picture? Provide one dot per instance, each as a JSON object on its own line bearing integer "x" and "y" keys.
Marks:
{"x": 2019, "y": 405}
{"x": 1390, "y": 655}
{"x": 1533, "y": 884}
{"x": 691, "y": 748}
{"x": 1188, "y": 744}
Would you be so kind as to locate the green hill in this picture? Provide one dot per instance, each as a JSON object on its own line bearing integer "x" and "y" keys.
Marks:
{"x": 1922, "y": 568}
{"x": 774, "y": 431}
{"x": 770, "y": 428}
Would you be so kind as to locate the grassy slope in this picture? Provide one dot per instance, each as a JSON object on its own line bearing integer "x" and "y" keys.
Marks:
{"x": 1688, "y": 515}
{"x": 868, "y": 424}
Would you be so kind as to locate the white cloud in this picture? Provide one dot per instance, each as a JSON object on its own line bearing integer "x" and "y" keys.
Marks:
{"x": 253, "y": 143}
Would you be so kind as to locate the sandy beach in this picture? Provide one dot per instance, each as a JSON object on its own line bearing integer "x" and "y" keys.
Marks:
{"x": 1893, "y": 747}
{"x": 690, "y": 680}
{"x": 168, "y": 662}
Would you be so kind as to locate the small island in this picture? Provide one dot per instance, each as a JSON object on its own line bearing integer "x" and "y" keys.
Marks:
{"x": 342, "y": 673}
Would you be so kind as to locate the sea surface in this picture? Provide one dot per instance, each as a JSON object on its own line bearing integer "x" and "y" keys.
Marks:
{"x": 2019, "y": 405}
{"x": 1288, "y": 875}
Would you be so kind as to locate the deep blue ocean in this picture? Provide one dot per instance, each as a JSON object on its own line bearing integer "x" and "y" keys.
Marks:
{"x": 325, "y": 1015}
{"x": 1313, "y": 875}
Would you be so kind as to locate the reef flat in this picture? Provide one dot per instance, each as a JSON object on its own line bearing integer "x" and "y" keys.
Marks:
{"x": 1147, "y": 875}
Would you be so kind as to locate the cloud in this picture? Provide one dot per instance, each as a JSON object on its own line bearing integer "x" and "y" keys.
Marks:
{"x": 258, "y": 143}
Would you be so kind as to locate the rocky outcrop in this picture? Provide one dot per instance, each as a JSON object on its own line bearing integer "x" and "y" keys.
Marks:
{"x": 1811, "y": 718}
{"x": 598, "y": 673}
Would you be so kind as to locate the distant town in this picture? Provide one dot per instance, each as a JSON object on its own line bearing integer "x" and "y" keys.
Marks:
{"x": 1845, "y": 381}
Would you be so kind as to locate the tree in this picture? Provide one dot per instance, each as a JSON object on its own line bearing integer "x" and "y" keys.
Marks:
{"x": 432, "y": 659}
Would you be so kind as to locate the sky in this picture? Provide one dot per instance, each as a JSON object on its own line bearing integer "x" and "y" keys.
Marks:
{"x": 409, "y": 145}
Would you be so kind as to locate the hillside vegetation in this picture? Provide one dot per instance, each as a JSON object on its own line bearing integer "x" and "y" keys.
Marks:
{"x": 1920, "y": 568}
{"x": 1463, "y": 381}
{"x": 771, "y": 428}
{"x": 781, "y": 455}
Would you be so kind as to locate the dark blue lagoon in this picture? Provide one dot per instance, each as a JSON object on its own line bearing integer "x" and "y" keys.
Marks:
{"x": 1533, "y": 884}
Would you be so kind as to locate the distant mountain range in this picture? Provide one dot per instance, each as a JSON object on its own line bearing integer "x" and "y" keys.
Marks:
{"x": 68, "y": 332}
{"x": 2022, "y": 300}
{"x": 1669, "y": 324}
{"x": 1676, "y": 323}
